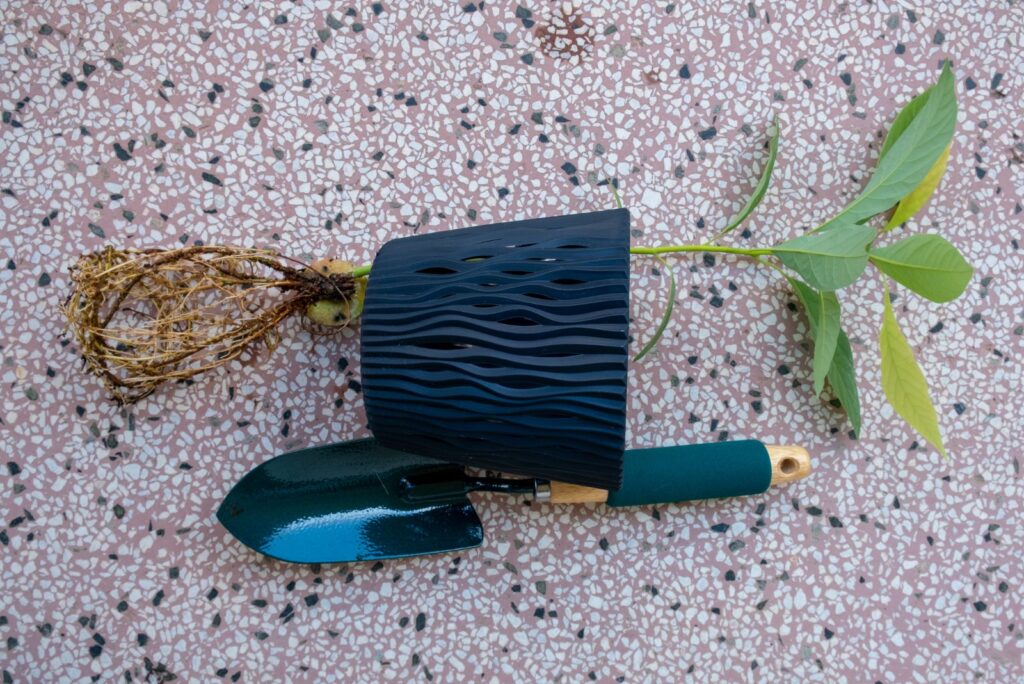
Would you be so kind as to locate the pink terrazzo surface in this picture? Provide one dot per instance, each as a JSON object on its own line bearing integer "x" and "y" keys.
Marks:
{"x": 321, "y": 128}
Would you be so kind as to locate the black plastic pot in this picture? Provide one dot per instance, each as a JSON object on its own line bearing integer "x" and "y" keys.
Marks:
{"x": 504, "y": 346}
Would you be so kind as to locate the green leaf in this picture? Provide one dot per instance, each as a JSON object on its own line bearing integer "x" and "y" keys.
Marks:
{"x": 828, "y": 260}
{"x": 823, "y": 312}
{"x": 913, "y": 202}
{"x": 911, "y": 155}
{"x": 927, "y": 264}
{"x": 902, "y": 120}
{"x": 843, "y": 378}
{"x": 760, "y": 189}
{"x": 903, "y": 382}
{"x": 666, "y": 317}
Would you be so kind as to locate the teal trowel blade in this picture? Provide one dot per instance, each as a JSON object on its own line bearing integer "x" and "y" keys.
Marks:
{"x": 344, "y": 502}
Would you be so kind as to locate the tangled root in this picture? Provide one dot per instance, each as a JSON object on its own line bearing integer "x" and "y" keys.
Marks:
{"x": 146, "y": 317}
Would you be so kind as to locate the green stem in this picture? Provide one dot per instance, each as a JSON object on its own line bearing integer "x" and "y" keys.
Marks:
{"x": 361, "y": 271}
{"x": 669, "y": 249}
{"x": 615, "y": 192}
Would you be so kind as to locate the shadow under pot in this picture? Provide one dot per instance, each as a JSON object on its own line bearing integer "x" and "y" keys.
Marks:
{"x": 504, "y": 347}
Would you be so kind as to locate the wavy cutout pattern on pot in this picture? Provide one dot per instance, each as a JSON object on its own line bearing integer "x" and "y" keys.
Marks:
{"x": 504, "y": 346}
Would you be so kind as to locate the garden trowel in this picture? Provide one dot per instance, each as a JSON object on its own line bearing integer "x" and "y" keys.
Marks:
{"x": 357, "y": 500}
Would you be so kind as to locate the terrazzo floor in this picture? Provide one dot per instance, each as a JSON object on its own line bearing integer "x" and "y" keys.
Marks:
{"x": 324, "y": 128}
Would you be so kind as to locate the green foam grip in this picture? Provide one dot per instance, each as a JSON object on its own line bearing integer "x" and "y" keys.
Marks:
{"x": 699, "y": 471}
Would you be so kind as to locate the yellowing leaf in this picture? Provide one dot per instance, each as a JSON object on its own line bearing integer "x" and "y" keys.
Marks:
{"x": 921, "y": 133}
{"x": 913, "y": 202}
{"x": 903, "y": 382}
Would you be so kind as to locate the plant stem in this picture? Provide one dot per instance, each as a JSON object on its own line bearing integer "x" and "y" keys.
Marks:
{"x": 361, "y": 271}
{"x": 615, "y": 192}
{"x": 669, "y": 249}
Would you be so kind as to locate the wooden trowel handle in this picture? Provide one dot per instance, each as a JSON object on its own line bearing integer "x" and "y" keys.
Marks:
{"x": 702, "y": 471}
{"x": 789, "y": 463}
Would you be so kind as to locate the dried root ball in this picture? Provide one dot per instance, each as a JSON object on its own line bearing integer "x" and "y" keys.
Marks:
{"x": 145, "y": 317}
{"x": 336, "y": 312}
{"x": 328, "y": 312}
{"x": 332, "y": 266}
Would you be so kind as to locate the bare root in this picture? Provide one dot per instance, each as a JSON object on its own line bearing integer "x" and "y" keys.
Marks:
{"x": 146, "y": 317}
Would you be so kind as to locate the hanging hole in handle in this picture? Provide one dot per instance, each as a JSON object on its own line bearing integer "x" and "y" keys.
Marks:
{"x": 788, "y": 466}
